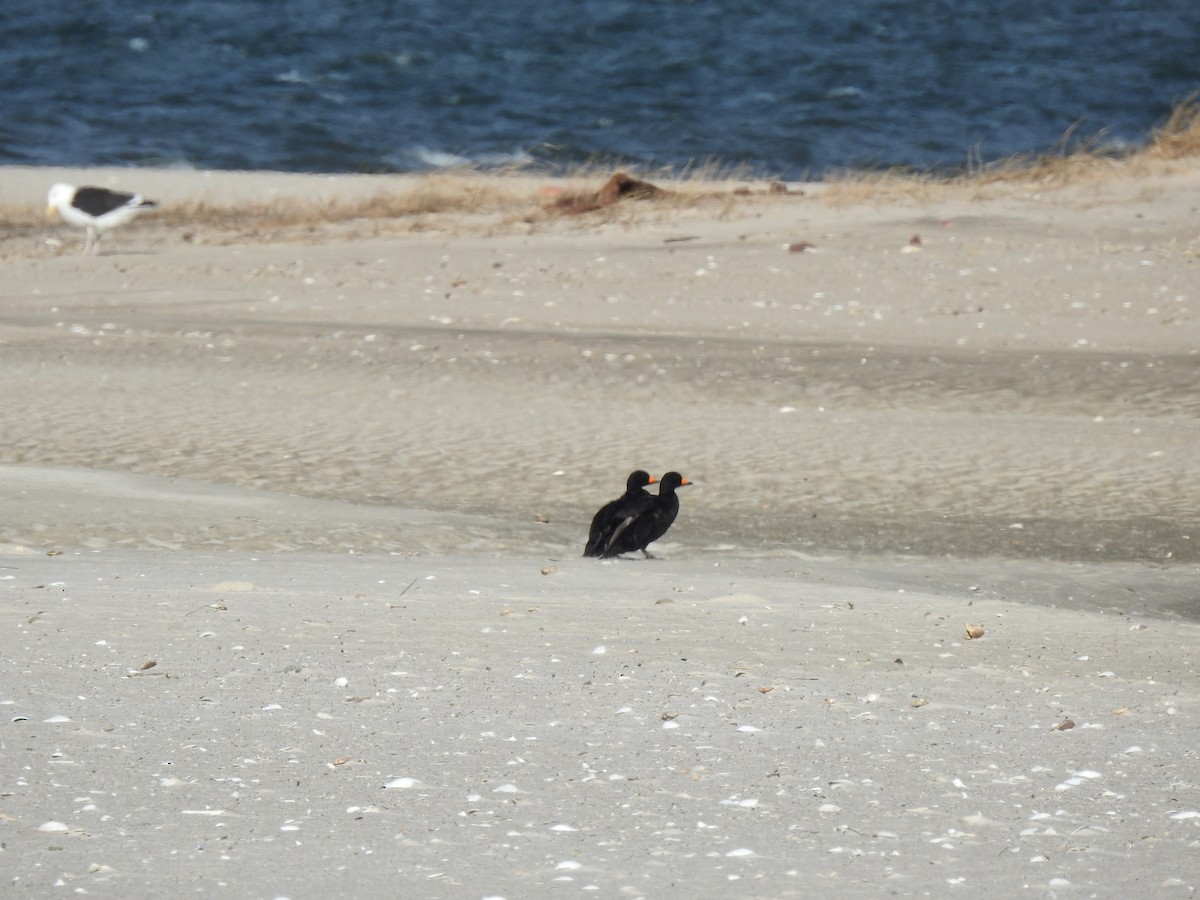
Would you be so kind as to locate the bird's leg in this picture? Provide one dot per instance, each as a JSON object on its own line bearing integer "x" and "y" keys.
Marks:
{"x": 89, "y": 243}
{"x": 647, "y": 554}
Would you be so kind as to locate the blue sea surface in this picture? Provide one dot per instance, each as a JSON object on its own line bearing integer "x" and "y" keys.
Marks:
{"x": 786, "y": 89}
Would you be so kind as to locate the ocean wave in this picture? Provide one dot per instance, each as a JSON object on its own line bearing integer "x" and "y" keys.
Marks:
{"x": 779, "y": 86}
{"x": 418, "y": 156}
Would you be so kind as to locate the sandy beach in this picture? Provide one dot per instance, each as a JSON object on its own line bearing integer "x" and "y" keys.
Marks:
{"x": 293, "y": 507}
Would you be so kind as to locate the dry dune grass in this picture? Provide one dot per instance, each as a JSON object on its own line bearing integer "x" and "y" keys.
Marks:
{"x": 467, "y": 200}
{"x": 462, "y": 201}
{"x": 442, "y": 194}
{"x": 1179, "y": 136}
{"x": 1018, "y": 173}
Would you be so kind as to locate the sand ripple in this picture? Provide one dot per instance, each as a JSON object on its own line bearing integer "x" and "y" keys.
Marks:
{"x": 792, "y": 446}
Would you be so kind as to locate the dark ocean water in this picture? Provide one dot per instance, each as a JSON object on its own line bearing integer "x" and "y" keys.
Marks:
{"x": 789, "y": 88}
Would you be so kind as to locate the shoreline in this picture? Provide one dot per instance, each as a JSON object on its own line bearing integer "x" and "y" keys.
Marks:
{"x": 100, "y": 514}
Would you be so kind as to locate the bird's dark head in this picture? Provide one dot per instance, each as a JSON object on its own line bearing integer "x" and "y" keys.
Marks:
{"x": 639, "y": 479}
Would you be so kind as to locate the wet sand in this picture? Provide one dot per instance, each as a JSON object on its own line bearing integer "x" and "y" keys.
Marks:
{"x": 270, "y": 459}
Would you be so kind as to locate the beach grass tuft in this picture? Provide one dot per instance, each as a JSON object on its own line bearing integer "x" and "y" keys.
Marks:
{"x": 1179, "y": 136}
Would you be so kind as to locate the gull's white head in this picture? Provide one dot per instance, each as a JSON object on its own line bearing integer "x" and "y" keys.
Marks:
{"x": 60, "y": 195}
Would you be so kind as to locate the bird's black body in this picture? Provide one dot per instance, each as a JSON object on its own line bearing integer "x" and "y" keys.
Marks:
{"x": 644, "y": 526}
{"x": 613, "y": 516}
{"x": 99, "y": 201}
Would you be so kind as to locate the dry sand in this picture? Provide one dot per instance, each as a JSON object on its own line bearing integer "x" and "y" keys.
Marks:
{"x": 333, "y": 480}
